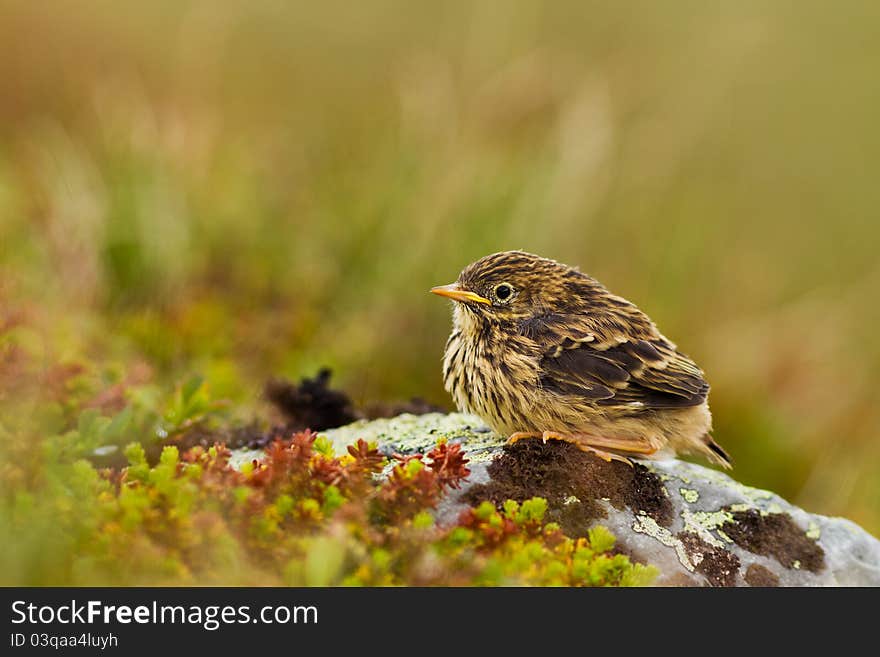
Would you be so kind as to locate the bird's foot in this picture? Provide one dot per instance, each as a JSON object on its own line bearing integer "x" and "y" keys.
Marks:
{"x": 519, "y": 435}
{"x": 579, "y": 441}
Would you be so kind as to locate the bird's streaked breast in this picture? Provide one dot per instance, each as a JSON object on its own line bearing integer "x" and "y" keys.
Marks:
{"x": 489, "y": 377}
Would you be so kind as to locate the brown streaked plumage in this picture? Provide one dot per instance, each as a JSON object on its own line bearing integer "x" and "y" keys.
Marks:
{"x": 540, "y": 349}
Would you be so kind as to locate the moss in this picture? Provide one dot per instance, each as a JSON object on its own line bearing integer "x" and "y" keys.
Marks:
{"x": 576, "y": 484}
{"x": 775, "y": 535}
{"x": 717, "y": 565}
{"x": 758, "y": 575}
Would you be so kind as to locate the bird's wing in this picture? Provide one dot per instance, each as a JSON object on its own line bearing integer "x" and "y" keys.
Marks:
{"x": 615, "y": 361}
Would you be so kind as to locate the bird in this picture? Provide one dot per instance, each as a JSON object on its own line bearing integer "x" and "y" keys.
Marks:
{"x": 539, "y": 349}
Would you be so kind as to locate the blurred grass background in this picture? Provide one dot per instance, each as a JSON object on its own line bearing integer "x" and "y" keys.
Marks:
{"x": 250, "y": 189}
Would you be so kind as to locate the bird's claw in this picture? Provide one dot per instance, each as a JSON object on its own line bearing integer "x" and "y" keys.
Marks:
{"x": 576, "y": 440}
{"x": 585, "y": 447}
{"x": 519, "y": 435}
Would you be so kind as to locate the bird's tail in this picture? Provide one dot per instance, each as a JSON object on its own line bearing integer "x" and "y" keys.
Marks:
{"x": 716, "y": 453}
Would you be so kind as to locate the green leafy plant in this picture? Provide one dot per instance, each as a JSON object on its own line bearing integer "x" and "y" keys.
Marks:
{"x": 299, "y": 515}
{"x": 190, "y": 406}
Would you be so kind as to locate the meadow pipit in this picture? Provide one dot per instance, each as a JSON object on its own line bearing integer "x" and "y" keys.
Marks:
{"x": 539, "y": 349}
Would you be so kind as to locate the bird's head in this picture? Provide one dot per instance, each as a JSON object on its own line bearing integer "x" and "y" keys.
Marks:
{"x": 511, "y": 286}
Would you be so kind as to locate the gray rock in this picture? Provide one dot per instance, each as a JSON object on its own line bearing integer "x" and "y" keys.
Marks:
{"x": 697, "y": 525}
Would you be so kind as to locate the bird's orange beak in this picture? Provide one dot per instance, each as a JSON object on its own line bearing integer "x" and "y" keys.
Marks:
{"x": 454, "y": 292}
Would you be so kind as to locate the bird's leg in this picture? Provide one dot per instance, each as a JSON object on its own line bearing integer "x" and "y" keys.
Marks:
{"x": 646, "y": 446}
{"x": 519, "y": 435}
{"x": 590, "y": 443}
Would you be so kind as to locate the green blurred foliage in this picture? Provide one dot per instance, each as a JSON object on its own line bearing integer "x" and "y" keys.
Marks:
{"x": 249, "y": 189}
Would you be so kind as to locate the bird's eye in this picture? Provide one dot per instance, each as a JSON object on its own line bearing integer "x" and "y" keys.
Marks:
{"x": 503, "y": 292}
